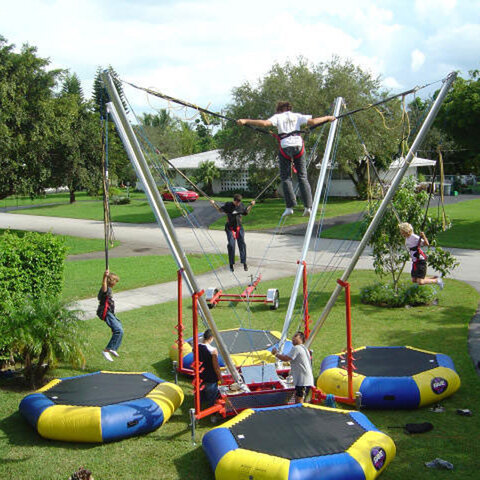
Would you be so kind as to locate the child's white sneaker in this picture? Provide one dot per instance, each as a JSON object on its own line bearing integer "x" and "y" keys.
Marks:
{"x": 288, "y": 211}
{"x": 114, "y": 353}
{"x": 107, "y": 356}
{"x": 307, "y": 212}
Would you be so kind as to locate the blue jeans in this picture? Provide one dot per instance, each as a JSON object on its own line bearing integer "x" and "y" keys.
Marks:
{"x": 286, "y": 177}
{"x": 117, "y": 331}
{"x": 209, "y": 394}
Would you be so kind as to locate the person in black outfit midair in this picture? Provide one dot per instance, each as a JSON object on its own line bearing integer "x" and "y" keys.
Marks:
{"x": 234, "y": 229}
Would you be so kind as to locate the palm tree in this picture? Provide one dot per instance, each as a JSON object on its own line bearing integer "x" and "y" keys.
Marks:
{"x": 45, "y": 331}
{"x": 207, "y": 171}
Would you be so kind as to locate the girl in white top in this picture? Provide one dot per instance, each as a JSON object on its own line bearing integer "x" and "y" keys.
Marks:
{"x": 414, "y": 243}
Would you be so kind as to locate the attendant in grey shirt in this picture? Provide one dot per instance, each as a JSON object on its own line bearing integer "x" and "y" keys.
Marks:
{"x": 300, "y": 365}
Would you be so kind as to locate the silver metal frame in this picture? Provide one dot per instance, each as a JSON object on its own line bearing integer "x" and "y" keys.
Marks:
{"x": 383, "y": 206}
{"x": 311, "y": 224}
{"x": 144, "y": 174}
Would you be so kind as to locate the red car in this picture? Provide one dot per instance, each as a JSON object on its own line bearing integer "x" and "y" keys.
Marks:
{"x": 181, "y": 193}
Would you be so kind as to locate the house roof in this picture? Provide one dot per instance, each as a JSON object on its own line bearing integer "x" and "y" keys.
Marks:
{"x": 416, "y": 162}
{"x": 193, "y": 161}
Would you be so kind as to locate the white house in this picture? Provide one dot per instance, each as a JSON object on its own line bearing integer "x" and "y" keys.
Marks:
{"x": 237, "y": 179}
{"x": 230, "y": 179}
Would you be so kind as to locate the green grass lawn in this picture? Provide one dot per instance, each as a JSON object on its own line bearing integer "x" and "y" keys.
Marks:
{"x": 267, "y": 214}
{"x": 83, "y": 277}
{"x": 465, "y": 231}
{"x": 138, "y": 211}
{"x": 168, "y": 452}
{"x": 75, "y": 245}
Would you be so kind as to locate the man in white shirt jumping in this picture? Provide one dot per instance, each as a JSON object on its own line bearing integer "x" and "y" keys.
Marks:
{"x": 291, "y": 154}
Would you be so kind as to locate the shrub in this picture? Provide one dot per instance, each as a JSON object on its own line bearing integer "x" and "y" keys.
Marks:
{"x": 44, "y": 330}
{"x": 120, "y": 200}
{"x": 385, "y": 295}
{"x": 31, "y": 264}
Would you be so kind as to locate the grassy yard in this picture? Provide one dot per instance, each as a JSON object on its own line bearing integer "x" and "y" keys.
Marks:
{"x": 266, "y": 215}
{"x": 465, "y": 231}
{"x": 75, "y": 245}
{"x": 168, "y": 452}
{"x": 138, "y": 211}
{"x": 83, "y": 277}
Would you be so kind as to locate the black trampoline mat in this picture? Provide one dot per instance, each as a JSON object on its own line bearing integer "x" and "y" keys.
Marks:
{"x": 298, "y": 432}
{"x": 391, "y": 362}
{"x": 101, "y": 389}
{"x": 245, "y": 341}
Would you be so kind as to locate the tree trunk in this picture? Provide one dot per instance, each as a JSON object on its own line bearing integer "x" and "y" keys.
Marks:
{"x": 72, "y": 195}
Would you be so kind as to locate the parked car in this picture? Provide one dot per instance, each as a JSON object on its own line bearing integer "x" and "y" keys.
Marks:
{"x": 182, "y": 194}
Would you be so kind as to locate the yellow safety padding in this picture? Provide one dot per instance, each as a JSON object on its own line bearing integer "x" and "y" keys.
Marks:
{"x": 361, "y": 449}
{"x": 49, "y": 385}
{"x": 186, "y": 349}
{"x": 237, "y": 418}
{"x": 420, "y": 350}
{"x": 424, "y": 383}
{"x": 71, "y": 423}
{"x": 335, "y": 381}
{"x": 241, "y": 464}
{"x": 168, "y": 397}
{"x": 321, "y": 407}
{"x": 123, "y": 373}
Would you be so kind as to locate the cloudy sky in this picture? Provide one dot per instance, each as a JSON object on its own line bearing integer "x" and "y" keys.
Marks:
{"x": 199, "y": 50}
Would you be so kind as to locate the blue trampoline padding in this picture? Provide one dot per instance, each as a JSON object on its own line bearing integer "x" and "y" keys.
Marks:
{"x": 217, "y": 445}
{"x": 117, "y": 419}
{"x": 445, "y": 361}
{"x": 31, "y": 407}
{"x": 329, "y": 362}
{"x": 363, "y": 421}
{"x": 390, "y": 392}
{"x": 340, "y": 466}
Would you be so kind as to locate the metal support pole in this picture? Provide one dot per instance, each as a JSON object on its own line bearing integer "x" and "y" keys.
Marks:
{"x": 311, "y": 224}
{"x": 306, "y": 315}
{"x": 386, "y": 201}
{"x": 144, "y": 174}
{"x": 348, "y": 320}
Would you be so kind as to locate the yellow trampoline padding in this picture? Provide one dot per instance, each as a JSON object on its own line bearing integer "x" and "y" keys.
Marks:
{"x": 186, "y": 349}
{"x": 237, "y": 418}
{"x": 241, "y": 464}
{"x": 335, "y": 380}
{"x": 424, "y": 383}
{"x": 71, "y": 423}
{"x": 366, "y": 442}
{"x": 168, "y": 397}
{"x": 49, "y": 385}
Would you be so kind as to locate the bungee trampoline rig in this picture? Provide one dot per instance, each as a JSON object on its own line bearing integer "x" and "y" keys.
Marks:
{"x": 354, "y": 447}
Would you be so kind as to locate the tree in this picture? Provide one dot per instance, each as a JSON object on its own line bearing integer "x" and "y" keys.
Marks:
{"x": 72, "y": 86}
{"x": 459, "y": 117}
{"x": 389, "y": 253}
{"x": 28, "y": 119}
{"x": 311, "y": 89}
{"x": 100, "y": 93}
{"x": 207, "y": 171}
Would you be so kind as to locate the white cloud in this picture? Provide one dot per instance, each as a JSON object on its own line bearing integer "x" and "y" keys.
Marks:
{"x": 431, "y": 8}
{"x": 199, "y": 50}
{"x": 418, "y": 59}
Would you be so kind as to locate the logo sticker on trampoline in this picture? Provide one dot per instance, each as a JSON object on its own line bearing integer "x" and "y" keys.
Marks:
{"x": 439, "y": 385}
{"x": 378, "y": 456}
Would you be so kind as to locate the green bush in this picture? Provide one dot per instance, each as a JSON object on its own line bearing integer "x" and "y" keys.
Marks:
{"x": 385, "y": 295}
{"x": 119, "y": 200}
{"x": 32, "y": 265}
{"x": 42, "y": 331}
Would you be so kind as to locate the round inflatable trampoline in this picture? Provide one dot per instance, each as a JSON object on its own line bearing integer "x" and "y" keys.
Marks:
{"x": 299, "y": 441}
{"x": 392, "y": 377}
{"x": 101, "y": 406}
{"x": 246, "y": 347}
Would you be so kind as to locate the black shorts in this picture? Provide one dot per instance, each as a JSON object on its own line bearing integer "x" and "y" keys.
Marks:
{"x": 419, "y": 269}
{"x": 301, "y": 391}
